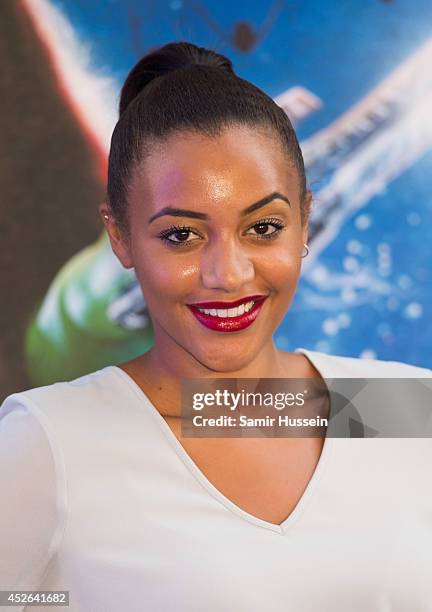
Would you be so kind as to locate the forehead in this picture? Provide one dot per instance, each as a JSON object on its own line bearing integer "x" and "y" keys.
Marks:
{"x": 239, "y": 164}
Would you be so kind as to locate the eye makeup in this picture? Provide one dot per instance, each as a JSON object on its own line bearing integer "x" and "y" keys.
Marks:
{"x": 178, "y": 230}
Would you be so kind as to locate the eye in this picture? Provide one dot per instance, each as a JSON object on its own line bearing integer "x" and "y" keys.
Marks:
{"x": 177, "y": 235}
{"x": 264, "y": 225}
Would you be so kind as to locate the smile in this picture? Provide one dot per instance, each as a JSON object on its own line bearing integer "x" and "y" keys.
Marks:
{"x": 230, "y": 312}
{"x": 228, "y": 319}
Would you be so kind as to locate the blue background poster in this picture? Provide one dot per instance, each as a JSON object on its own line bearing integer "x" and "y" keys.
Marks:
{"x": 355, "y": 79}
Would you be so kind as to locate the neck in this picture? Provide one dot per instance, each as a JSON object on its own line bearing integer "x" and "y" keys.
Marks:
{"x": 161, "y": 370}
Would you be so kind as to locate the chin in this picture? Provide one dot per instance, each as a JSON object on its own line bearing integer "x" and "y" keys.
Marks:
{"x": 226, "y": 361}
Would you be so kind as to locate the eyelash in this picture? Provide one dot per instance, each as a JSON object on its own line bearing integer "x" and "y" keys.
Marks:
{"x": 182, "y": 228}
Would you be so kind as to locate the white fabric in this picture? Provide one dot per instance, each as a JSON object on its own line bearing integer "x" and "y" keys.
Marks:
{"x": 98, "y": 497}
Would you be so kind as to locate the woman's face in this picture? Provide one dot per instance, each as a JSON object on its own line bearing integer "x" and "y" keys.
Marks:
{"x": 213, "y": 248}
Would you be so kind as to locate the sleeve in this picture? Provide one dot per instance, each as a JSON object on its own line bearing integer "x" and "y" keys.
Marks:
{"x": 30, "y": 512}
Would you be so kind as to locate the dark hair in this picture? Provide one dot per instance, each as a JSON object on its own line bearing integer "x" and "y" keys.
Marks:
{"x": 184, "y": 87}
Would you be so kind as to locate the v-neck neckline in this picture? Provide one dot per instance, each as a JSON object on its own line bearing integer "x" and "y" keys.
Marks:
{"x": 195, "y": 471}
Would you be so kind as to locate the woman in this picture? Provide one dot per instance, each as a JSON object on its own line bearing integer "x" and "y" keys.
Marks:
{"x": 104, "y": 497}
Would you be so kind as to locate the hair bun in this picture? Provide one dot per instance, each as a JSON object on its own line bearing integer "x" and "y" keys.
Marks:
{"x": 163, "y": 60}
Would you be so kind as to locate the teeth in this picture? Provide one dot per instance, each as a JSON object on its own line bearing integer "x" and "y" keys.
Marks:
{"x": 229, "y": 312}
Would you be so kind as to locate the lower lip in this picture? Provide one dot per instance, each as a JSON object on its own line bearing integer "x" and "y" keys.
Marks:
{"x": 228, "y": 324}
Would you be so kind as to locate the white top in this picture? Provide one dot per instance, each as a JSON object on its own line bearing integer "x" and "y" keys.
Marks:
{"x": 100, "y": 498}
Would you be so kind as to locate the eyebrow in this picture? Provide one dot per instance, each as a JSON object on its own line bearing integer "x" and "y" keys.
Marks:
{"x": 181, "y": 212}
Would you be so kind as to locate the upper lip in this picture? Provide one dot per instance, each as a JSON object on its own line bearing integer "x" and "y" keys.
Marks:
{"x": 244, "y": 300}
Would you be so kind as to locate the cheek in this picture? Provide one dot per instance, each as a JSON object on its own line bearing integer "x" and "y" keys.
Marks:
{"x": 168, "y": 278}
{"x": 280, "y": 269}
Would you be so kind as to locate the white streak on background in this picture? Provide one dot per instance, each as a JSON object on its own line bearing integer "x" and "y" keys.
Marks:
{"x": 370, "y": 145}
{"x": 93, "y": 96}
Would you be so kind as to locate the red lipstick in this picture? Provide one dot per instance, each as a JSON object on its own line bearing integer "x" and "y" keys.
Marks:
{"x": 228, "y": 324}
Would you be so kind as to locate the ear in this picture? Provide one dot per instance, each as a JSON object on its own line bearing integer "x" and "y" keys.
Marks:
{"x": 119, "y": 243}
{"x": 307, "y": 207}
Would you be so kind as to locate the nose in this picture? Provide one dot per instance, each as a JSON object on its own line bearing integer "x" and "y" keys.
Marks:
{"x": 226, "y": 266}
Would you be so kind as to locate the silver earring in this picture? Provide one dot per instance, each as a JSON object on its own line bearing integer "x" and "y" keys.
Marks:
{"x": 307, "y": 250}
